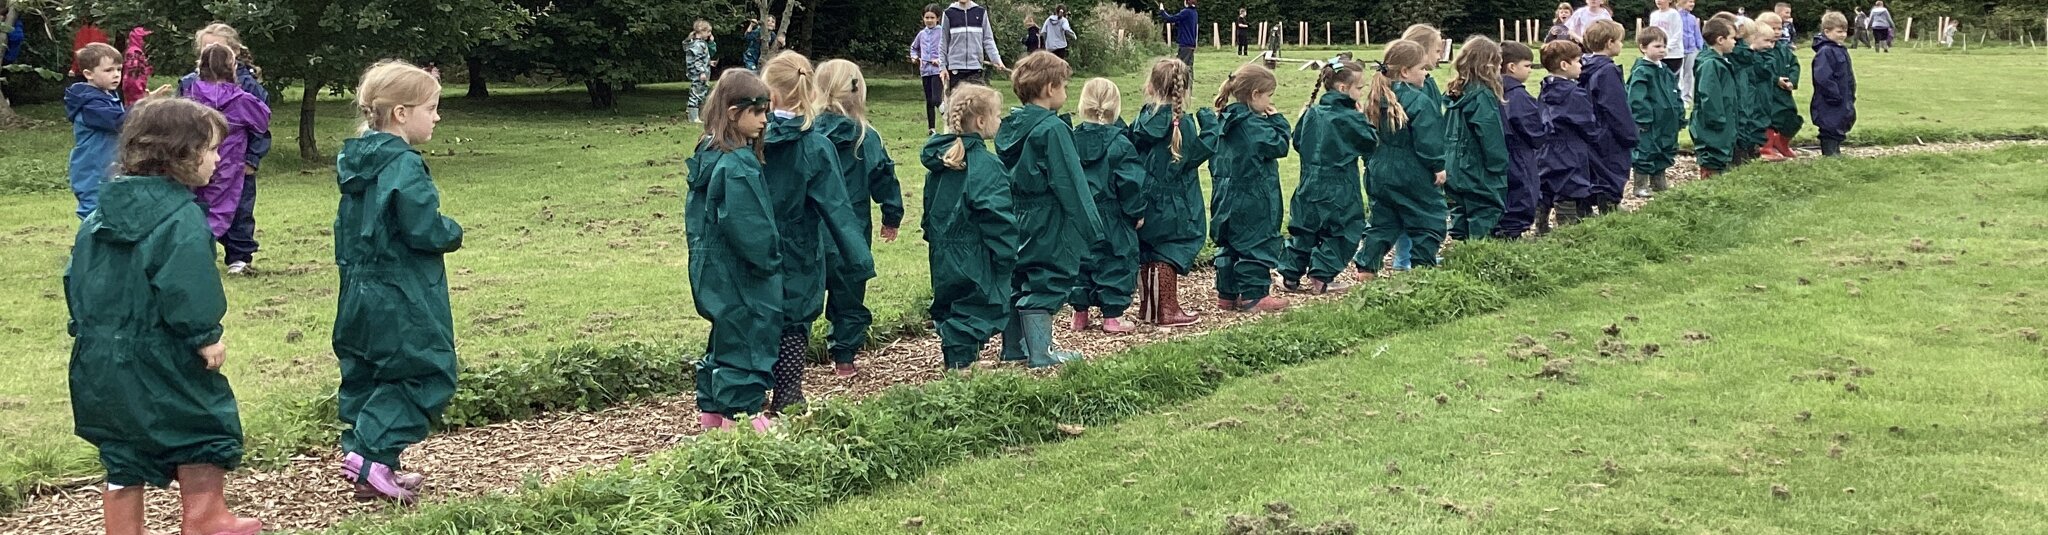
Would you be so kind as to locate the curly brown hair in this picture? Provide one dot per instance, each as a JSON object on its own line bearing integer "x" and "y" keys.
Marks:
{"x": 167, "y": 136}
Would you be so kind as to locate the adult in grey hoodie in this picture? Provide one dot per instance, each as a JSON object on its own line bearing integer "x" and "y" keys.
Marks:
{"x": 969, "y": 43}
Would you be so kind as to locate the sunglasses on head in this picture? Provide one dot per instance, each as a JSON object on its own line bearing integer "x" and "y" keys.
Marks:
{"x": 751, "y": 103}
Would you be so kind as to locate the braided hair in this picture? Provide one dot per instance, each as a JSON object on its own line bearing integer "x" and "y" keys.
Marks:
{"x": 968, "y": 110}
{"x": 1168, "y": 87}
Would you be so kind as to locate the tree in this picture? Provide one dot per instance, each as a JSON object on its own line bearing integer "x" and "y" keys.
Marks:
{"x": 601, "y": 44}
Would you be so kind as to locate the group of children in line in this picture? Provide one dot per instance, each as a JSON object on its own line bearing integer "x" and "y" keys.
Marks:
{"x": 158, "y": 185}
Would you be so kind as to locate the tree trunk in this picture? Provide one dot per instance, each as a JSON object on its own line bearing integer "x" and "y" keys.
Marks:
{"x": 781, "y": 29}
{"x": 479, "y": 87}
{"x": 7, "y": 116}
{"x": 309, "y": 140}
{"x": 810, "y": 29}
{"x": 601, "y": 96}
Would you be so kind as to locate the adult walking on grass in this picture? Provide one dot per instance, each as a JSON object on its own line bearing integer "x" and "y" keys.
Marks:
{"x": 969, "y": 44}
{"x": 1583, "y": 18}
{"x": 1058, "y": 32}
{"x": 1187, "y": 32}
{"x": 1241, "y": 32}
{"x": 1881, "y": 27}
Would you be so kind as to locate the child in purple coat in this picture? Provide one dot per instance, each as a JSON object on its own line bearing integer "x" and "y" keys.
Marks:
{"x": 1566, "y": 159}
{"x": 217, "y": 88}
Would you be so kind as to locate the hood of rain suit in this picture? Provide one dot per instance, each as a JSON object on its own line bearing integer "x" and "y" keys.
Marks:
{"x": 364, "y": 157}
{"x": 130, "y": 207}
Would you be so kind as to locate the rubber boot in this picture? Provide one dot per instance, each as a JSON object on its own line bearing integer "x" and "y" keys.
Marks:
{"x": 1785, "y": 147}
{"x": 1706, "y": 173}
{"x": 1013, "y": 339}
{"x": 124, "y": 509}
{"x": 351, "y": 470}
{"x": 1080, "y": 319}
{"x": 1643, "y": 188}
{"x": 1168, "y": 286}
{"x": 1038, "y": 340}
{"x": 1365, "y": 276}
{"x": 712, "y": 421}
{"x": 381, "y": 483}
{"x": 1830, "y": 147}
{"x": 1769, "y": 151}
{"x": 1149, "y": 309}
{"x": 1567, "y": 212}
{"x": 959, "y": 356}
{"x": 1660, "y": 182}
{"x": 763, "y": 424}
{"x": 1264, "y": 304}
{"x": 1608, "y": 206}
{"x": 1334, "y": 286}
{"x": 696, "y": 115}
{"x": 202, "y": 491}
{"x": 1117, "y": 325}
{"x": 845, "y": 369}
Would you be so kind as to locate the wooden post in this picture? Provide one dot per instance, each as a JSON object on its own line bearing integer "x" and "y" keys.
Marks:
{"x": 1303, "y": 33}
{"x": 1357, "y": 33}
{"x": 1169, "y": 33}
{"x": 1909, "y": 29}
{"x": 1639, "y": 25}
{"x": 1503, "y": 29}
{"x": 1367, "y": 31}
{"x": 1326, "y": 35}
{"x": 1215, "y": 34}
{"x": 1262, "y": 35}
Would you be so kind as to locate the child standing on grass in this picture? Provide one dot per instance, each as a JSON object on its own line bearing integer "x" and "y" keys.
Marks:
{"x": 1172, "y": 151}
{"x": 735, "y": 257}
{"x": 1252, "y": 138}
{"x": 1523, "y": 128}
{"x": 820, "y": 233}
{"x": 1757, "y": 81}
{"x": 1117, "y": 179}
{"x": 248, "y": 117}
{"x": 1056, "y": 215}
{"x": 870, "y": 176}
{"x": 1616, "y": 136}
{"x": 1432, "y": 42}
{"x": 1716, "y": 98}
{"x": 239, "y": 241}
{"x": 971, "y": 224}
{"x": 1327, "y": 215}
{"x": 1783, "y": 120}
{"x": 146, "y": 308}
{"x": 1654, "y": 101}
{"x": 1405, "y": 177}
{"x": 926, "y": 51}
{"x": 1476, "y": 152}
{"x": 1834, "y": 84}
{"x": 700, "y": 57}
{"x": 1571, "y": 127}
{"x": 95, "y": 112}
{"x": 393, "y": 331}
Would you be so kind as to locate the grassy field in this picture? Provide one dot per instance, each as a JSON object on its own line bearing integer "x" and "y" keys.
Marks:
{"x": 1869, "y": 361}
{"x": 575, "y": 230}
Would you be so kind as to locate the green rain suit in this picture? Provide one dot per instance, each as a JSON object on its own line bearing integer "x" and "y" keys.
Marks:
{"x": 1716, "y": 98}
{"x": 1327, "y": 215}
{"x": 1654, "y": 102}
{"x": 803, "y": 173}
{"x": 1400, "y": 182}
{"x": 870, "y": 176}
{"x": 1476, "y": 158}
{"x": 1784, "y": 113}
{"x": 1057, "y": 221}
{"x": 1755, "y": 81}
{"x": 735, "y": 277}
{"x": 393, "y": 332}
{"x": 1246, "y": 202}
{"x": 972, "y": 230}
{"x": 1176, "y": 218}
{"x": 144, "y": 298}
{"x": 1117, "y": 178}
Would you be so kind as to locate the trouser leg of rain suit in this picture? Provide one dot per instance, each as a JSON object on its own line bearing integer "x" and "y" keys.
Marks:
{"x": 150, "y": 412}
{"x": 1108, "y": 277}
{"x": 391, "y": 396}
{"x": 846, "y": 309}
{"x": 1479, "y": 212}
{"x": 239, "y": 243}
{"x": 789, "y": 369}
{"x": 969, "y": 301}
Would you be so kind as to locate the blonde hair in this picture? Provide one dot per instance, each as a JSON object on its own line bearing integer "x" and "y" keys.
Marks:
{"x": 970, "y": 109}
{"x": 1479, "y": 60}
{"x": 1248, "y": 79}
{"x": 790, "y": 81}
{"x": 1760, "y": 30}
{"x": 1769, "y": 18}
{"x": 1101, "y": 101}
{"x": 1834, "y": 20}
{"x": 1381, "y": 105}
{"x": 1425, "y": 35}
{"x": 386, "y": 86}
{"x": 1168, "y": 87}
{"x": 230, "y": 37}
{"x": 1037, "y": 74}
{"x": 1602, "y": 34}
{"x": 844, "y": 91}
{"x": 700, "y": 27}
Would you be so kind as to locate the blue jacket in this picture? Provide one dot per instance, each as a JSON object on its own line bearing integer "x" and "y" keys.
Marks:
{"x": 1570, "y": 125}
{"x": 1834, "y": 88}
{"x": 245, "y": 77}
{"x": 96, "y": 117}
{"x": 1522, "y": 121}
{"x": 1187, "y": 28}
{"x": 1617, "y": 138}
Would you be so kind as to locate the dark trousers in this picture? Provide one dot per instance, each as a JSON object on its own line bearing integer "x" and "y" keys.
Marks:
{"x": 1061, "y": 52}
{"x": 958, "y": 76}
{"x": 1187, "y": 55}
{"x": 239, "y": 242}
{"x": 934, "y": 95}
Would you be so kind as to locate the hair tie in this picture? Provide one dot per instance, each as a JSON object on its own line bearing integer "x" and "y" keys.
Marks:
{"x": 1380, "y": 66}
{"x": 1336, "y": 63}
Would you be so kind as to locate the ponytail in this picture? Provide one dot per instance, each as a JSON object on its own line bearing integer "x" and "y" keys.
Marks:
{"x": 1381, "y": 106}
{"x": 956, "y": 156}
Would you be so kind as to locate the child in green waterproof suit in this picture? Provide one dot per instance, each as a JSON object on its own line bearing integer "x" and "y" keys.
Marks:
{"x": 870, "y": 176}
{"x": 1403, "y": 180}
{"x": 970, "y": 222}
{"x": 146, "y": 306}
{"x": 393, "y": 332}
{"x": 735, "y": 258}
{"x": 1328, "y": 209}
{"x": 1117, "y": 178}
{"x": 1056, "y": 217}
{"x": 1782, "y": 120}
{"x": 1172, "y": 149}
{"x": 1715, "y": 99}
{"x": 1756, "y": 80}
{"x": 1654, "y": 102}
{"x": 821, "y": 236}
{"x": 1252, "y": 138}
{"x": 1476, "y": 149}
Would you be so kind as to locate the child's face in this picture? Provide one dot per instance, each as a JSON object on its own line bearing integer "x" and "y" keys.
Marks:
{"x": 1785, "y": 13}
{"x": 1568, "y": 69}
{"x": 930, "y": 19}
{"x": 1836, "y": 34}
{"x": 106, "y": 76}
{"x": 1563, "y": 13}
{"x": 750, "y": 121}
{"x": 416, "y": 123}
{"x": 1055, "y": 97}
{"x": 1663, "y": 4}
{"x": 1777, "y": 27}
{"x": 1260, "y": 100}
{"x": 1762, "y": 42}
{"x": 1724, "y": 43}
{"x": 209, "y": 160}
{"x": 1518, "y": 70}
{"x": 1415, "y": 74}
{"x": 1655, "y": 52}
{"x": 1355, "y": 91}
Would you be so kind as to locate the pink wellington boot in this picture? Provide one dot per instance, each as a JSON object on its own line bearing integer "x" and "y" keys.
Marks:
{"x": 763, "y": 424}
{"x": 1117, "y": 325}
{"x": 712, "y": 421}
{"x": 352, "y": 466}
{"x": 845, "y": 369}
{"x": 382, "y": 483}
{"x": 1080, "y": 319}
{"x": 202, "y": 494}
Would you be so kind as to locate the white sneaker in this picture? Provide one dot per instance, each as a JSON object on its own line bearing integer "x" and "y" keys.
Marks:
{"x": 238, "y": 268}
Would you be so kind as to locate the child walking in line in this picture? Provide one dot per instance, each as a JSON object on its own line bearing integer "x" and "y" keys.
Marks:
{"x": 700, "y": 56}
{"x": 1523, "y": 126}
{"x": 239, "y": 242}
{"x": 1476, "y": 154}
{"x": 146, "y": 308}
{"x": 870, "y": 177}
{"x": 971, "y": 224}
{"x": 820, "y": 233}
{"x": 1251, "y": 137}
{"x": 389, "y": 239}
{"x": 735, "y": 255}
{"x": 1326, "y": 218}
{"x": 1172, "y": 150}
{"x": 1834, "y": 84}
{"x": 1716, "y": 98}
{"x": 1432, "y": 42}
{"x": 1654, "y": 101}
{"x": 927, "y": 52}
{"x": 248, "y": 117}
{"x": 1782, "y": 120}
{"x": 1404, "y": 178}
{"x": 1056, "y": 216}
{"x": 1117, "y": 179}
{"x": 1571, "y": 128}
{"x": 96, "y": 113}
{"x": 1616, "y": 136}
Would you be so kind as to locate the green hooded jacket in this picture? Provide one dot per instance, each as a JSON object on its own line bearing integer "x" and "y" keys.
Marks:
{"x": 1756, "y": 81}
{"x": 1476, "y": 151}
{"x": 1056, "y": 215}
{"x": 812, "y": 213}
{"x": 1116, "y": 179}
{"x": 735, "y": 277}
{"x": 1659, "y": 111}
{"x": 1333, "y": 138}
{"x": 1717, "y": 96}
{"x": 869, "y": 172}
{"x": 970, "y": 224}
{"x": 1176, "y": 217}
{"x": 1784, "y": 112}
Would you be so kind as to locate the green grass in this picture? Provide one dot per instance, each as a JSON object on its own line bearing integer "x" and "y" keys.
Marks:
{"x": 575, "y": 234}
{"x": 1940, "y": 434}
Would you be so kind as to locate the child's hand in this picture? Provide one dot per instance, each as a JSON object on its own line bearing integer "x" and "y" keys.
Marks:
{"x": 1141, "y": 223}
{"x": 1440, "y": 179}
{"x": 889, "y": 234}
{"x": 1784, "y": 83}
{"x": 215, "y": 355}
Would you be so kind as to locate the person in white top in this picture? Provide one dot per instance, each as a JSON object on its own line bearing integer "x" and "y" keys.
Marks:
{"x": 1668, "y": 18}
{"x": 1583, "y": 18}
